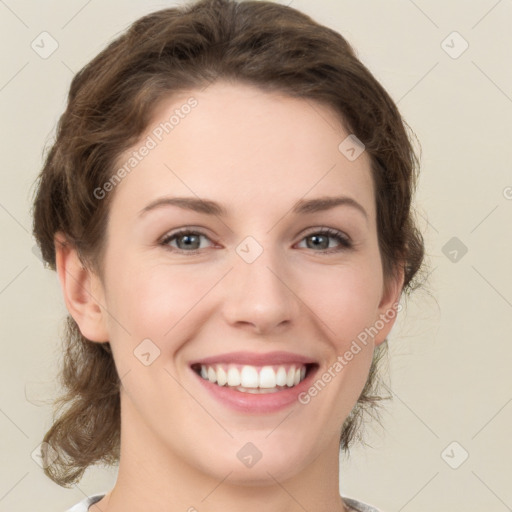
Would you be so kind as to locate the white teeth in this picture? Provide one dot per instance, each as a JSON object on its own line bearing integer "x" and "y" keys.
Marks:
{"x": 290, "y": 379}
{"x": 222, "y": 378}
{"x": 253, "y": 379}
{"x": 281, "y": 376}
{"x": 267, "y": 377}
{"x": 233, "y": 377}
{"x": 212, "y": 376}
{"x": 249, "y": 377}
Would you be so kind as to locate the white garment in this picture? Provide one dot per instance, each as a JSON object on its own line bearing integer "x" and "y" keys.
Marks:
{"x": 84, "y": 505}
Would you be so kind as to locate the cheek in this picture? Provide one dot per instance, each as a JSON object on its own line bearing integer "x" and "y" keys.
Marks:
{"x": 151, "y": 315}
{"x": 155, "y": 300}
{"x": 346, "y": 299}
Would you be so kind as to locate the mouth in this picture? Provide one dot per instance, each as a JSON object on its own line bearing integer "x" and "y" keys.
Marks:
{"x": 254, "y": 379}
{"x": 255, "y": 383}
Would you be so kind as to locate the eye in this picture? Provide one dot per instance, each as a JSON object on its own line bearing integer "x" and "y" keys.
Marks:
{"x": 320, "y": 239}
{"x": 186, "y": 240}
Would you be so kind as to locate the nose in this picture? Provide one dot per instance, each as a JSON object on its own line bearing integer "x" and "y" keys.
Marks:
{"x": 259, "y": 296}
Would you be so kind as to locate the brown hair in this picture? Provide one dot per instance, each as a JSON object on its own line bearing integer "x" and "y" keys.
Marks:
{"x": 110, "y": 104}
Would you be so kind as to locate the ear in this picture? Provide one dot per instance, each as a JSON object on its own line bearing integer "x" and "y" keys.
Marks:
{"x": 82, "y": 290}
{"x": 389, "y": 307}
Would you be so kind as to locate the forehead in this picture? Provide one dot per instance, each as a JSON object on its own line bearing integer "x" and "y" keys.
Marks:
{"x": 244, "y": 147}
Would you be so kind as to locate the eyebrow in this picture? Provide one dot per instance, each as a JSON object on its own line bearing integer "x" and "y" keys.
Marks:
{"x": 206, "y": 206}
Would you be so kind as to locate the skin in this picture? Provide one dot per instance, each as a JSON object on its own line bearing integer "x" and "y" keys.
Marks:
{"x": 256, "y": 153}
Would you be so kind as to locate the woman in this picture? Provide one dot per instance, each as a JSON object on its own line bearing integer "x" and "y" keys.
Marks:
{"x": 228, "y": 207}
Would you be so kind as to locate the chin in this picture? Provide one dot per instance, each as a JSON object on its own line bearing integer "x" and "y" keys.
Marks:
{"x": 261, "y": 463}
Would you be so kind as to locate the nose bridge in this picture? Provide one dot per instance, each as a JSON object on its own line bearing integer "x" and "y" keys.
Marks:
{"x": 258, "y": 292}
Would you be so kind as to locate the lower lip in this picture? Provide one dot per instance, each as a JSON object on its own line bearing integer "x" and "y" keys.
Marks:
{"x": 257, "y": 403}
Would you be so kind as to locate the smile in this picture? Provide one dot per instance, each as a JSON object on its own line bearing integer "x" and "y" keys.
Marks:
{"x": 253, "y": 379}
{"x": 254, "y": 383}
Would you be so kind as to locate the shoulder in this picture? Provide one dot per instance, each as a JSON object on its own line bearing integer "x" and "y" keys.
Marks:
{"x": 358, "y": 506}
{"x": 83, "y": 506}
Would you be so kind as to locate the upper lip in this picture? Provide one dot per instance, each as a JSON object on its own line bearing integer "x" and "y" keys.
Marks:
{"x": 255, "y": 359}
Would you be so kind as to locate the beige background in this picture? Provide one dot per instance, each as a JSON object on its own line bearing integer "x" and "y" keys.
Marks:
{"x": 451, "y": 350}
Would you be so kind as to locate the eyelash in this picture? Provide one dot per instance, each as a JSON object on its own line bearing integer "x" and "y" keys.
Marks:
{"x": 344, "y": 242}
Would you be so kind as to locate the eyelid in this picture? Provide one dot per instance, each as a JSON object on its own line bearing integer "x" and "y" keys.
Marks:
{"x": 345, "y": 242}
{"x": 328, "y": 230}
{"x": 187, "y": 230}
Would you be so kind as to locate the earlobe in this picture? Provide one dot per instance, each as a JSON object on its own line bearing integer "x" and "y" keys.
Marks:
{"x": 81, "y": 289}
{"x": 389, "y": 306}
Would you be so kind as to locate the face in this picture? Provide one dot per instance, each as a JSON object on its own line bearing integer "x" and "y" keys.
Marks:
{"x": 251, "y": 282}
